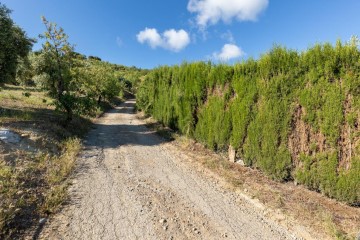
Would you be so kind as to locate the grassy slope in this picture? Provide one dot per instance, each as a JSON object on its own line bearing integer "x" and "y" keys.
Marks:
{"x": 33, "y": 174}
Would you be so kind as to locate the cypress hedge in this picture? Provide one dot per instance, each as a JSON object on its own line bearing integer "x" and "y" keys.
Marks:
{"x": 293, "y": 115}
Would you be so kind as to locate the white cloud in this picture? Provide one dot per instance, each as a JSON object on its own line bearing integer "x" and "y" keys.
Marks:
{"x": 171, "y": 39}
{"x": 212, "y": 11}
{"x": 228, "y": 52}
{"x": 176, "y": 40}
{"x": 150, "y": 36}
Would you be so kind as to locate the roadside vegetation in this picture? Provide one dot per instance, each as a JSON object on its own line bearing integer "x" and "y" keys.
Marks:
{"x": 295, "y": 116}
{"x": 48, "y": 99}
{"x": 33, "y": 171}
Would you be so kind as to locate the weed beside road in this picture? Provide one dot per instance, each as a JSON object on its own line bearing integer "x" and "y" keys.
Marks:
{"x": 34, "y": 172}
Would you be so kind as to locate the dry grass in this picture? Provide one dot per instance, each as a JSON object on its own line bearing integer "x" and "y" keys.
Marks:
{"x": 58, "y": 169}
{"x": 24, "y": 97}
{"x": 33, "y": 175}
{"x": 35, "y": 187}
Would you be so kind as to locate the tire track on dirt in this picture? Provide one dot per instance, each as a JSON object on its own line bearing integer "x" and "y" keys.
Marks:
{"x": 130, "y": 184}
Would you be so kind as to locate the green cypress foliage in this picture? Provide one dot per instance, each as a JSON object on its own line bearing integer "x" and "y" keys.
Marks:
{"x": 292, "y": 115}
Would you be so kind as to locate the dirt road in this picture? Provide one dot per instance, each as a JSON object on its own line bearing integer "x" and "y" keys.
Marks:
{"x": 131, "y": 184}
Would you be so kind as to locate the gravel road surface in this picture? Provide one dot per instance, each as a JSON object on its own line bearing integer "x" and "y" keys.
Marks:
{"x": 131, "y": 184}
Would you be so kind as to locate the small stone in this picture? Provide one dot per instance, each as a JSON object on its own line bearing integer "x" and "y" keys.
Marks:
{"x": 241, "y": 162}
{"x": 194, "y": 229}
{"x": 162, "y": 221}
{"x": 42, "y": 220}
{"x": 9, "y": 136}
{"x": 165, "y": 228}
{"x": 225, "y": 235}
{"x": 232, "y": 154}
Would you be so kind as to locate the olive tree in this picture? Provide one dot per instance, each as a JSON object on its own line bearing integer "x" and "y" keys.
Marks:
{"x": 14, "y": 45}
{"x": 55, "y": 63}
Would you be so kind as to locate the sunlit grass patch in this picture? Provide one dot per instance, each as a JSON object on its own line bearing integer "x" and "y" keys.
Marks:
{"x": 37, "y": 183}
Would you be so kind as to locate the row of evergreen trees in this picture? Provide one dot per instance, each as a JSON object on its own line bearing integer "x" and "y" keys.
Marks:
{"x": 293, "y": 115}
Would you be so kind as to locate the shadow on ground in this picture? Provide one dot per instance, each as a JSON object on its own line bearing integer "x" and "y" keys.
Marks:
{"x": 116, "y": 132}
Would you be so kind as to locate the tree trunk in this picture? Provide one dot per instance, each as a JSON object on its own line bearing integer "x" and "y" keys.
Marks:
{"x": 69, "y": 114}
{"x": 68, "y": 109}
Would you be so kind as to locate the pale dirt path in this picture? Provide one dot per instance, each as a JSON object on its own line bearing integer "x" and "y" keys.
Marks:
{"x": 130, "y": 184}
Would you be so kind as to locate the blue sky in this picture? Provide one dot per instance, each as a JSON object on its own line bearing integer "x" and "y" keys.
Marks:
{"x": 147, "y": 33}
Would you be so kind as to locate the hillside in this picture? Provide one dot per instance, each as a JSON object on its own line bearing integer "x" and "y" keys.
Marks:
{"x": 35, "y": 163}
{"x": 237, "y": 143}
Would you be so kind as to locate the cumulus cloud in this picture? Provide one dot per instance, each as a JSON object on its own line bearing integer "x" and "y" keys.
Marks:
{"x": 176, "y": 40}
{"x": 151, "y": 37}
{"x": 212, "y": 11}
{"x": 171, "y": 39}
{"x": 228, "y": 52}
